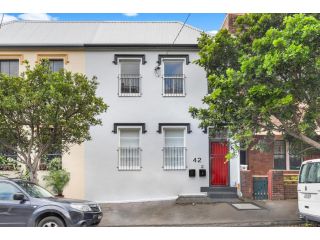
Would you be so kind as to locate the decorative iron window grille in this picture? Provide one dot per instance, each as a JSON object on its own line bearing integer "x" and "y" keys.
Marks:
{"x": 129, "y": 84}
{"x": 129, "y": 158}
{"x": 174, "y": 158}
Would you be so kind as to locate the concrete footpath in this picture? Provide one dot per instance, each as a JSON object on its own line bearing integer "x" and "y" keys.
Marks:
{"x": 168, "y": 213}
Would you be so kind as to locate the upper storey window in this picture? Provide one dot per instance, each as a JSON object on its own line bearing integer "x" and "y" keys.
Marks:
{"x": 10, "y": 67}
{"x": 56, "y": 64}
{"x": 173, "y": 78}
{"x": 129, "y": 77}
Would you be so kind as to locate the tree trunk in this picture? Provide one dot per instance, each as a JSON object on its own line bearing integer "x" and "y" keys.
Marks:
{"x": 33, "y": 174}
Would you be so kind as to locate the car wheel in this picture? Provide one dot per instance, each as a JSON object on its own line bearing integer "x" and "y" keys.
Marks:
{"x": 51, "y": 222}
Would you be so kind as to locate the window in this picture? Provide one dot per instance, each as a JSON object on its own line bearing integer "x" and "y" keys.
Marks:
{"x": 129, "y": 150}
{"x": 54, "y": 152}
{"x": 129, "y": 78}
{"x": 279, "y": 155}
{"x": 303, "y": 173}
{"x": 174, "y": 151}
{"x": 10, "y": 67}
{"x": 243, "y": 157}
{"x": 310, "y": 173}
{"x": 56, "y": 64}
{"x": 7, "y": 191}
{"x": 173, "y": 78}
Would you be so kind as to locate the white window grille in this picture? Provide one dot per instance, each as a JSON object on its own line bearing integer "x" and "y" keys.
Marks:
{"x": 174, "y": 151}
{"x": 129, "y": 77}
{"x": 129, "y": 152}
{"x": 173, "y": 78}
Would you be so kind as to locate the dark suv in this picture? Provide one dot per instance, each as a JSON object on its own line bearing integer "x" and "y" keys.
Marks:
{"x": 23, "y": 203}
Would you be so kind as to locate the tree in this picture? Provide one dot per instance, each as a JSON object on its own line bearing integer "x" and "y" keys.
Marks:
{"x": 42, "y": 110}
{"x": 264, "y": 78}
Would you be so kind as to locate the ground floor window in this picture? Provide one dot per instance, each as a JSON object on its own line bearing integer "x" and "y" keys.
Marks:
{"x": 174, "y": 151}
{"x": 279, "y": 155}
{"x": 129, "y": 152}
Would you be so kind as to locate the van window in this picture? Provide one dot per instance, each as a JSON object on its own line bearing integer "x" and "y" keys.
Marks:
{"x": 310, "y": 173}
{"x": 303, "y": 173}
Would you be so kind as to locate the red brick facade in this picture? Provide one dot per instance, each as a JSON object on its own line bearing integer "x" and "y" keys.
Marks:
{"x": 290, "y": 191}
{"x": 260, "y": 162}
{"x": 275, "y": 185}
{"x": 246, "y": 181}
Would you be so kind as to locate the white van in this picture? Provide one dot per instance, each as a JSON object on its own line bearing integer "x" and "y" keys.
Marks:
{"x": 309, "y": 190}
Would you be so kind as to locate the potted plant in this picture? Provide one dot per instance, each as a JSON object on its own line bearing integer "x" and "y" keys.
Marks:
{"x": 57, "y": 177}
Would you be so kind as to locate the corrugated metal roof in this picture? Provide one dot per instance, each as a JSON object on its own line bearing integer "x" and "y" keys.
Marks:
{"x": 40, "y": 33}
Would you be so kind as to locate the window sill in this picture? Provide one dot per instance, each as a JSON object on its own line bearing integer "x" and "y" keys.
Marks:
{"x": 173, "y": 95}
{"x": 129, "y": 169}
{"x": 174, "y": 168}
{"x": 129, "y": 94}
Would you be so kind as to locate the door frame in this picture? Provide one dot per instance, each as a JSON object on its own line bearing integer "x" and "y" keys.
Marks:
{"x": 210, "y": 162}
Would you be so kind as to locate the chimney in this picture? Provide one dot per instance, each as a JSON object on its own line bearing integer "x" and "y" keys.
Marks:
{"x": 229, "y": 22}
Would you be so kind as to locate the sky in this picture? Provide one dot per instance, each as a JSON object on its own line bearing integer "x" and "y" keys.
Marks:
{"x": 208, "y": 22}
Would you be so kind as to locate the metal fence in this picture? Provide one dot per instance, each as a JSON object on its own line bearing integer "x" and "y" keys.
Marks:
{"x": 173, "y": 85}
{"x": 174, "y": 158}
{"x": 129, "y": 159}
{"x": 129, "y": 84}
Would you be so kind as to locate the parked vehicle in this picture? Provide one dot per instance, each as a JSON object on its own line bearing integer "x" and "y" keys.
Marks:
{"x": 309, "y": 190}
{"x": 24, "y": 203}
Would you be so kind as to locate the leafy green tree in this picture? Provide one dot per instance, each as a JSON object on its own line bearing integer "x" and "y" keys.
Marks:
{"x": 264, "y": 78}
{"x": 42, "y": 109}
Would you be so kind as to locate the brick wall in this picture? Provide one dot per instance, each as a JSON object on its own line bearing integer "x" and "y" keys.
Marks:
{"x": 290, "y": 191}
{"x": 275, "y": 185}
{"x": 260, "y": 162}
{"x": 246, "y": 181}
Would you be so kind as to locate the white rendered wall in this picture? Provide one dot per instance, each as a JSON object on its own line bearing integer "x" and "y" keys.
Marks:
{"x": 104, "y": 182}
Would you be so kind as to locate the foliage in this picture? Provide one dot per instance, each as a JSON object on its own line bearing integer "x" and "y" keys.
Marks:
{"x": 7, "y": 163}
{"x": 42, "y": 109}
{"x": 55, "y": 164}
{"x": 264, "y": 78}
{"x": 57, "y": 177}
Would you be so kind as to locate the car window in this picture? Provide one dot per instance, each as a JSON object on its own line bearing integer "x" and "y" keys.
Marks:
{"x": 312, "y": 174}
{"x": 34, "y": 190}
{"x": 7, "y": 190}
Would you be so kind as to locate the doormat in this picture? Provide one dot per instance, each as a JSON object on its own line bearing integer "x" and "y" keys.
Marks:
{"x": 246, "y": 206}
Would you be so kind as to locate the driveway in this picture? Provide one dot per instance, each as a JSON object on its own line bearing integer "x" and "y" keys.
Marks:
{"x": 168, "y": 213}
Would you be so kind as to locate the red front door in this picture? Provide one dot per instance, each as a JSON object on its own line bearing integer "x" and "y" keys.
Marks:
{"x": 219, "y": 164}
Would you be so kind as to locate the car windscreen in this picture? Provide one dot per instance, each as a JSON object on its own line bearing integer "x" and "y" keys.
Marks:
{"x": 310, "y": 173}
{"x": 34, "y": 190}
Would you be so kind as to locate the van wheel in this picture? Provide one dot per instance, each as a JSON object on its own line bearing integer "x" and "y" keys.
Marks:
{"x": 51, "y": 222}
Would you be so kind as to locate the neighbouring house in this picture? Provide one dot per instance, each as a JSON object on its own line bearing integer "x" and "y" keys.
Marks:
{"x": 272, "y": 174}
{"x": 149, "y": 147}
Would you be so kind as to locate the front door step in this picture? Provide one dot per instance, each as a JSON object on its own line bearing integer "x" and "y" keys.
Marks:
{"x": 204, "y": 200}
{"x": 218, "y": 189}
{"x": 220, "y": 192}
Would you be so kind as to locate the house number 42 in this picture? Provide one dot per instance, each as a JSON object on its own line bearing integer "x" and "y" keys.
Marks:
{"x": 197, "y": 160}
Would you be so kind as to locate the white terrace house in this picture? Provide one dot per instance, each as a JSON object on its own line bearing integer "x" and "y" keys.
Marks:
{"x": 149, "y": 147}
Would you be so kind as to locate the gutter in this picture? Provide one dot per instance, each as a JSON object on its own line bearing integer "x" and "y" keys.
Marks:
{"x": 101, "y": 46}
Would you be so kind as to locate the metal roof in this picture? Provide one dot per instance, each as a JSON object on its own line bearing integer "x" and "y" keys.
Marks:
{"x": 57, "y": 33}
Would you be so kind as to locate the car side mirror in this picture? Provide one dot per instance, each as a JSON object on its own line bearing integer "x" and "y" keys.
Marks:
{"x": 19, "y": 197}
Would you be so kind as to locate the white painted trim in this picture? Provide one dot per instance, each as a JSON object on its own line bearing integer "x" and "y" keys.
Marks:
{"x": 287, "y": 156}
{"x": 120, "y": 94}
{"x": 183, "y": 60}
{"x": 139, "y": 145}
{"x": 184, "y": 145}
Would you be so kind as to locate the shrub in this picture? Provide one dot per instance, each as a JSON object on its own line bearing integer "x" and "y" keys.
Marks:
{"x": 57, "y": 178}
